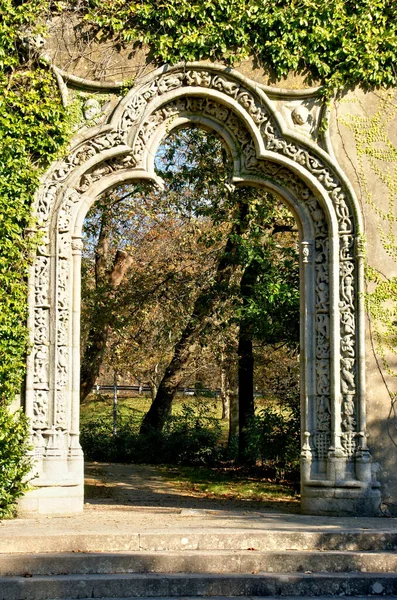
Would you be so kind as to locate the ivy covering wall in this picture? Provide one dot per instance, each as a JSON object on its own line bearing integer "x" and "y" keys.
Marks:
{"x": 338, "y": 42}
{"x": 33, "y": 129}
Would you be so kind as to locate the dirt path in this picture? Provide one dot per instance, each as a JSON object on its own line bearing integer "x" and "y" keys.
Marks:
{"x": 115, "y": 486}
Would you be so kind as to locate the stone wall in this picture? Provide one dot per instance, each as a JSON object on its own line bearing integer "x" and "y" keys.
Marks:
{"x": 368, "y": 156}
{"x": 94, "y": 73}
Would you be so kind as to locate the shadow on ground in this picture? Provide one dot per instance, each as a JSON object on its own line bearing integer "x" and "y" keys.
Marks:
{"x": 143, "y": 487}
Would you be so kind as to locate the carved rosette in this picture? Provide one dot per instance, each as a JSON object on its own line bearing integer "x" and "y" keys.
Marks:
{"x": 139, "y": 123}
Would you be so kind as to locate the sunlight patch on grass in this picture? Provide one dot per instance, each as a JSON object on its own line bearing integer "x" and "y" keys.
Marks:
{"x": 227, "y": 484}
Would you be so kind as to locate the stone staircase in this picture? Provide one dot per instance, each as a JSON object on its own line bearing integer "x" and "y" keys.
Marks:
{"x": 197, "y": 563}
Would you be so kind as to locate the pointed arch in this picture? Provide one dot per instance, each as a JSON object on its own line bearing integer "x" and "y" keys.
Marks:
{"x": 336, "y": 463}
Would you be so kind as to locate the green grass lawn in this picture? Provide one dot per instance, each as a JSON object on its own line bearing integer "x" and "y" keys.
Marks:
{"x": 231, "y": 483}
{"x": 136, "y": 406}
{"x": 98, "y": 404}
{"x": 102, "y": 404}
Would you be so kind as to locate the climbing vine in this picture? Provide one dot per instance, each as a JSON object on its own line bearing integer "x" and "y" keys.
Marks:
{"x": 33, "y": 128}
{"x": 377, "y": 156}
{"x": 338, "y": 42}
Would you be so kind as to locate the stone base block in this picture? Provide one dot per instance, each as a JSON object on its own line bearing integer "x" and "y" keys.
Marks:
{"x": 61, "y": 500}
{"x": 339, "y": 502}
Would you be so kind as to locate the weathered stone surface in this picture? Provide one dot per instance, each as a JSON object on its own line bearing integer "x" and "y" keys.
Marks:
{"x": 269, "y": 143}
{"x": 203, "y": 561}
{"x": 187, "y": 585}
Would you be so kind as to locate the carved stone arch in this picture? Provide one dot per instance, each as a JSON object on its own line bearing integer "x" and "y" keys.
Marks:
{"x": 336, "y": 463}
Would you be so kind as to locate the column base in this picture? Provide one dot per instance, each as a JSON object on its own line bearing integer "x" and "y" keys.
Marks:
{"x": 61, "y": 500}
{"x": 341, "y": 501}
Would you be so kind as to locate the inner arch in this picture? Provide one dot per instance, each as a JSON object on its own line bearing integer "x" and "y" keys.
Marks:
{"x": 333, "y": 258}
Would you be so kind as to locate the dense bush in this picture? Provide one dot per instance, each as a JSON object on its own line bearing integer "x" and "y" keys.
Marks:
{"x": 274, "y": 441}
{"x": 187, "y": 439}
{"x": 194, "y": 438}
{"x": 15, "y": 464}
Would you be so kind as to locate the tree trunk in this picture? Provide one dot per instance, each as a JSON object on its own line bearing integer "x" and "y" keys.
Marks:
{"x": 225, "y": 393}
{"x": 234, "y": 414}
{"x": 92, "y": 359}
{"x": 246, "y": 364}
{"x": 245, "y": 393}
{"x": 203, "y": 307}
{"x": 161, "y": 406}
{"x": 106, "y": 282}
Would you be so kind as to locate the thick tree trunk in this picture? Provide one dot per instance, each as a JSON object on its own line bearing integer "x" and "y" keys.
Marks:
{"x": 234, "y": 414}
{"x": 245, "y": 393}
{"x": 246, "y": 364}
{"x": 161, "y": 406}
{"x": 92, "y": 359}
{"x": 184, "y": 350}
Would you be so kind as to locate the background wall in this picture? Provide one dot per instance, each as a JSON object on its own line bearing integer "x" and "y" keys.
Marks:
{"x": 363, "y": 134}
{"x": 364, "y": 138}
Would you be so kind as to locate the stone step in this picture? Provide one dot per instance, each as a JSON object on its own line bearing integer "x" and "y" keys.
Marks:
{"x": 70, "y": 587}
{"x": 209, "y": 561}
{"x": 204, "y": 539}
{"x": 250, "y": 598}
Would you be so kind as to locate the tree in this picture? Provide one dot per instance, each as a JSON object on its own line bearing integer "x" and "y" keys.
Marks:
{"x": 203, "y": 309}
{"x": 249, "y": 258}
{"x": 162, "y": 239}
{"x": 269, "y": 311}
{"x": 109, "y": 274}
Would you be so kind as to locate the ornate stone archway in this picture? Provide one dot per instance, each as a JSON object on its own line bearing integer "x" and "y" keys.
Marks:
{"x": 336, "y": 463}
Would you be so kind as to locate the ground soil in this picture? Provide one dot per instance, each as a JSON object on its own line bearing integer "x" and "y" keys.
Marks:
{"x": 143, "y": 487}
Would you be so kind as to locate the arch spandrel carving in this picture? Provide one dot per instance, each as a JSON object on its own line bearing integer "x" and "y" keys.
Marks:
{"x": 333, "y": 403}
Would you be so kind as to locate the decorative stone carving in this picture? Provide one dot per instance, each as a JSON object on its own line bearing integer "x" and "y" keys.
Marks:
{"x": 320, "y": 438}
{"x": 300, "y": 115}
{"x": 40, "y": 408}
{"x": 306, "y": 252}
{"x": 140, "y": 117}
{"x": 41, "y": 281}
{"x": 91, "y": 109}
{"x": 41, "y": 367}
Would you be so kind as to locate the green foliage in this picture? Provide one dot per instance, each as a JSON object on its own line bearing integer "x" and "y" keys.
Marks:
{"x": 15, "y": 464}
{"x": 191, "y": 438}
{"x": 267, "y": 246}
{"x": 340, "y": 42}
{"x": 274, "y": 441}
{"x": 33, "y": 128}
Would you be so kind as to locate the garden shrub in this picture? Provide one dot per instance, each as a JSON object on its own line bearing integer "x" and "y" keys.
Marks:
{"x": 99, "y": 443}
{"x": 14, "y": 460}
{"x": 274, "y": 441}
{"x": 191, "y": 438}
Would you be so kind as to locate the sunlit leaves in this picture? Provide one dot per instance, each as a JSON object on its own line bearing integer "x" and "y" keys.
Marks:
{"x": 33, "y": 128}
{"x": 337, "y": 42}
